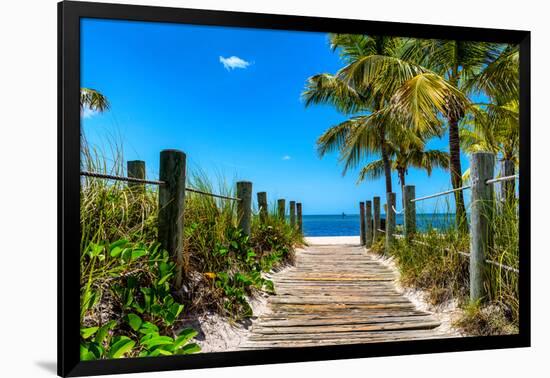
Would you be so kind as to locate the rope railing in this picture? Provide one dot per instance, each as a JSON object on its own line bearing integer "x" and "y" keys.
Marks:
{"x": 487, "y": 261}
{"x": 395, "y": 210}
{"x": 503, "y": 178}
{"x": 441, "y": 193}
{"x": 120, "y": 178}
{"x": 488, "y": 182}
{"x": 212, "y": 194}
{"x": 152, "y": 182}
{"x": 466, "y": 254}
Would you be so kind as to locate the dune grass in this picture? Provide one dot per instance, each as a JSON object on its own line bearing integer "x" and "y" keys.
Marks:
{"x": 435, "y": 261}
{"x": 127, "y": 302}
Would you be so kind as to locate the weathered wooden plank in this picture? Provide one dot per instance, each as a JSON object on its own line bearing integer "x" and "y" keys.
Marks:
{"x": 274, "y": 344}
{"x": 350, "y": 320}
{"x": 315, "y": 329}
{"x": 337, "y": 295}
{"x": 375, "y": 335}
{"x": 348, "y": 300}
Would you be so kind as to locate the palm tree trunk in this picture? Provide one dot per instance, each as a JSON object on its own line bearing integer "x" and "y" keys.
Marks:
{"x": 385, "y": 159}
{"x": 401, "y": 173}
{"x": 456, "y": 175}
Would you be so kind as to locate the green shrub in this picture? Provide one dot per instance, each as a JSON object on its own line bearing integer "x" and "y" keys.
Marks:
{"x": 122, "y": 279}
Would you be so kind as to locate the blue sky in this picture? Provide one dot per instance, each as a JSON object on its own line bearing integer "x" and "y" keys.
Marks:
{"x": 230, "y": 99}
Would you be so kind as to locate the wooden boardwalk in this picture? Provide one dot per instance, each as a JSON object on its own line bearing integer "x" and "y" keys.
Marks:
{"x": 337, "y": 294}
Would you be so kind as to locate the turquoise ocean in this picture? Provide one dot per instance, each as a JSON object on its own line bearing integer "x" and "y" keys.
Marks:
{"x": 348, "y": 225}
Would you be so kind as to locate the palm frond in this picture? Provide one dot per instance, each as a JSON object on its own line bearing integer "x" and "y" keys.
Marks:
{"x": 500, "y": 78}
{"x": 363, "y": 139}
{"x": 420, "y": 101}
{"x": 329, "y": 89}
{"x": 335, "y": 138}
{"x": 378, "y": 75}
{"x": 93, "y": 100}
{"x": 372, "y": 171}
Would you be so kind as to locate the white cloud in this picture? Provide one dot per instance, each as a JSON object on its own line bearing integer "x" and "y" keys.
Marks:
{"x": 233, "y": 62}
{"x": 286, "y": 157}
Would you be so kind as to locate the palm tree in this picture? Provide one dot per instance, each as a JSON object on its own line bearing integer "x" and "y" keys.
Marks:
{"x": 364, "y": 134}
{"x": 405, "y": 155}
{"x": 494, "y": 126}
{"x": 431, "y": 78}
{"x": 93, "y": 100}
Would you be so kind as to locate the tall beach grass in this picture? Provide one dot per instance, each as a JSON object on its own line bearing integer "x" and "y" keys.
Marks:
{"x": 436, "y": 261}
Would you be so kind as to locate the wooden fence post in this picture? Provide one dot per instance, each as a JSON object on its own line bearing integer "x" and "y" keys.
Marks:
{"x": 244, "y": 206}
{"x": 481, "y": 169}
{"x": 362, "y": 223}
{"x": 262, "y": 205}
{"x": 376, "y": 220}
{"x": 293, "y": 214}
{"x": 368, "y": 222}
{"x": 410, "y": 211}
{"x": 171, "y": 207}
{"x": 281, "y": 207}
{"x": 136, "y": 169}
{"x": 390, "y": 220}
{"x": 299, "y": 215}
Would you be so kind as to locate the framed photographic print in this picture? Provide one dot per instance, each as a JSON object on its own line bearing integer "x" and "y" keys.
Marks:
{"x": 241, "y": 188}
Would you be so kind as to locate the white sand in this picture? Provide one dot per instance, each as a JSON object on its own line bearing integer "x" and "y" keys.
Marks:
{"x": 332, "y": 240}
{"x": 219, "y": 334}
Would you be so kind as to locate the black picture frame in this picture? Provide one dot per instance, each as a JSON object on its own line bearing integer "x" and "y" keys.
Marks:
{"x": 69, "y": 15}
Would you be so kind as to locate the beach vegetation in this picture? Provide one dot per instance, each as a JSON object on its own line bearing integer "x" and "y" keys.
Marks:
{"x": 129, "y": 307}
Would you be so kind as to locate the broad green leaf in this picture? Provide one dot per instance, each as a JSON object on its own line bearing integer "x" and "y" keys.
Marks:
{"x": 116, "y": 251}
{"x": 85, "y": 354}
{"x": 119, "y": 243}
{"x": 97, "y": 350}
{"x": 137, "y": 253}
{"x": 94, "y": 249}
{"x": 164, "y": 352}
{"x": 176, "y": 309}
{"x": 129, "y": 298}
{"x": 148, "y": 327}
{"x": 184, "y": 336}
{"x": 103, "y": 331}
{"x": 148, "y": 296}
{"x": 126, "y": 255}
{"x": 158, "y": 340}
{"x": 134, "y": 321}
{"x": 190, "y": 349}
{"x": 122, "y": 346}
{"x": 87, "y": 332}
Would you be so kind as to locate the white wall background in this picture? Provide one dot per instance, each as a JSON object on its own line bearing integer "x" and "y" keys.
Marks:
{"x": 28, "y": 185}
